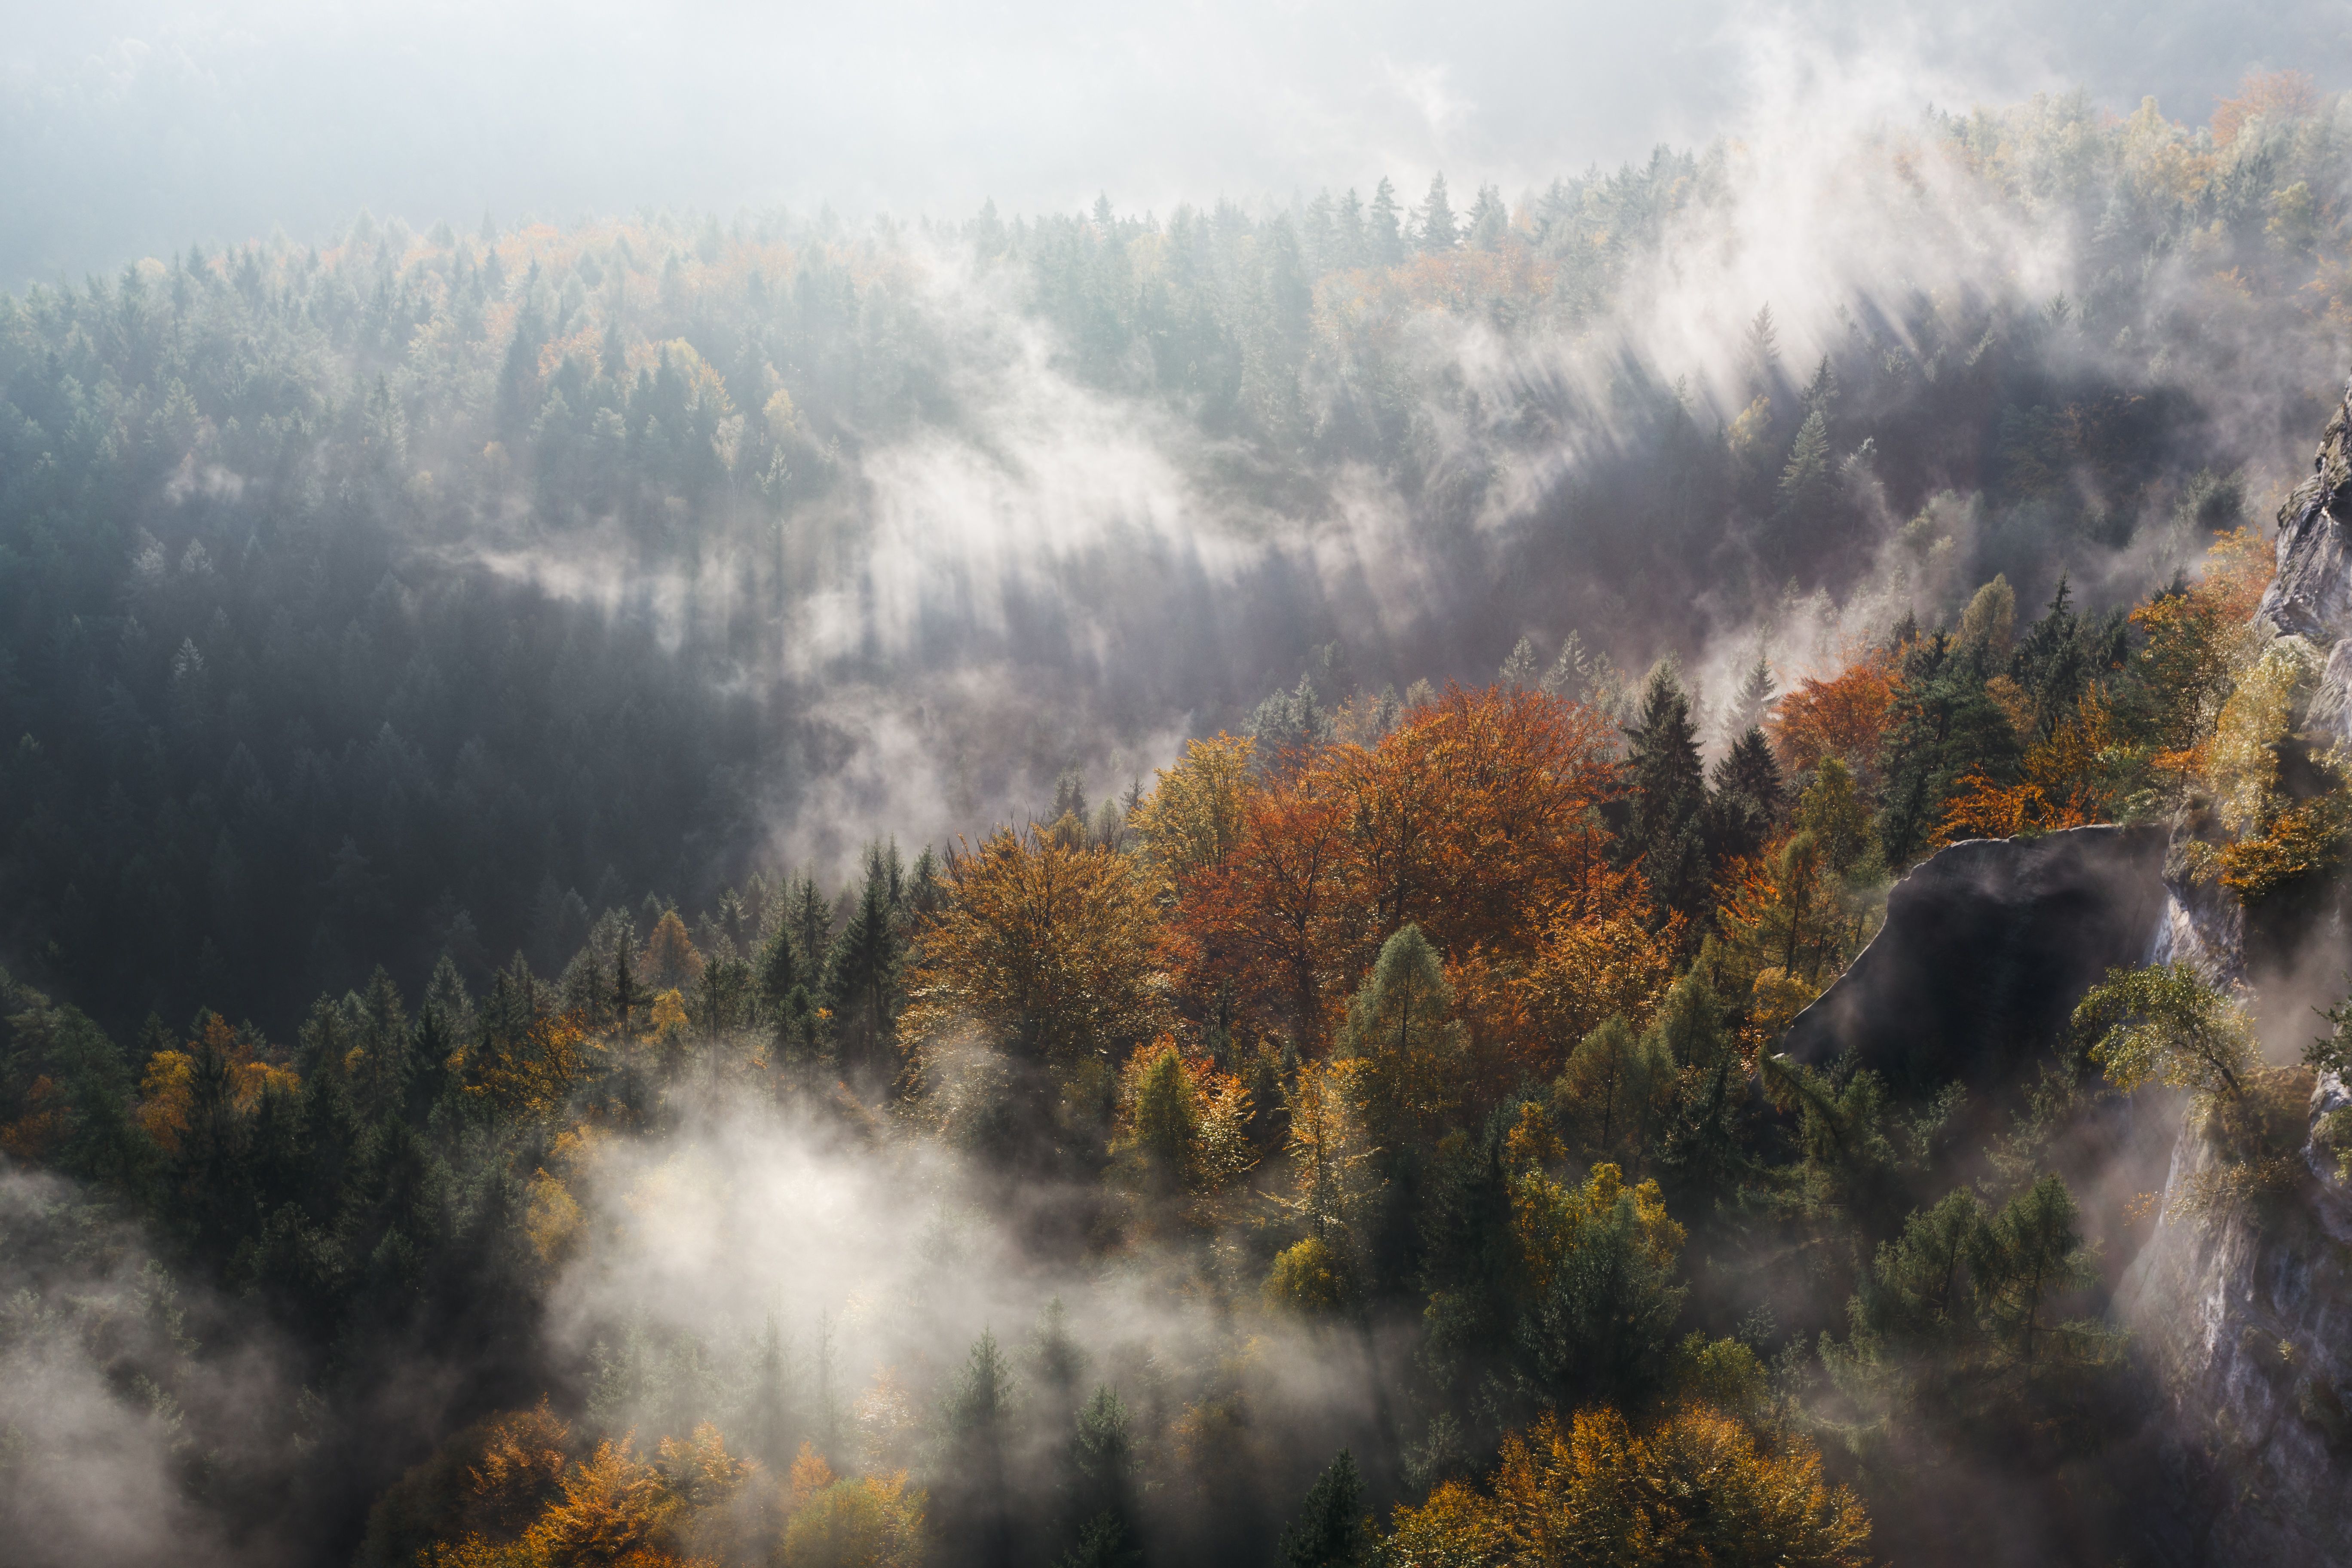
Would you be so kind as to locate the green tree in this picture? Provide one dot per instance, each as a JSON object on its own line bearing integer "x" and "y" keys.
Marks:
{"x": 1668, "y": 792}
{"x": 2167, "y": 1023}
{"x": 1439, "y": 232}
{"x": 1942, "y": 725}
{"x": 1330, "y": 1530}
{"x": 1400, "y": 1032}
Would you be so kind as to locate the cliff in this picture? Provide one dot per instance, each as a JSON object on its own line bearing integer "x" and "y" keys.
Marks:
{"x": 2243, "y": 1319}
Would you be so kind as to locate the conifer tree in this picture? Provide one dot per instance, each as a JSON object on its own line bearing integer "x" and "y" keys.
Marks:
{"x": 1519, "y": 671}
{"x": 1668, "y": 791}
{"x": 862, "y": 976}
{"x": 1330, "y": 1531}
{"x": 1439, "y": 232}
{"x": 1384, "y": 240}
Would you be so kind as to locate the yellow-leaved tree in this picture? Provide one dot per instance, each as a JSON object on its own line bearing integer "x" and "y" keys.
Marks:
{"x": 1697, "y": 1487}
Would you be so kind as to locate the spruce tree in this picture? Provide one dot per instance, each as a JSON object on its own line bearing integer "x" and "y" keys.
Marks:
{"x": 862, "y": 978}
{"x": 1330, "y": 1531}
{"x": 1668, "y": 792}
{"x": 1439, "y": 232}
{"x": 1747, "y": 799}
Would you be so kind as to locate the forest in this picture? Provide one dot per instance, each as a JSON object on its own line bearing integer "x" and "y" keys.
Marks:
{"x": 1115, "y": 889}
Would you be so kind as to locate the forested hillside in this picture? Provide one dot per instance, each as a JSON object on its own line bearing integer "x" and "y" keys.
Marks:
{"x": 1124, "y": 889}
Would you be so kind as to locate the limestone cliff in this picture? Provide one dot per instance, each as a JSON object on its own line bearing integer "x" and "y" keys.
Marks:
{"x": 2245, "y": 1319}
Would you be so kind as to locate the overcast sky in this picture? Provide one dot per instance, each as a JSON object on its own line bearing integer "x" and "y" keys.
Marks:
{"x": 130, "y": 127}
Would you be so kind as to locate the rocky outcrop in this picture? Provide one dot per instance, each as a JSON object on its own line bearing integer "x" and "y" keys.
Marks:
{"x": 2312, "y": 593}
{"x": 2243, "y": 1318}
{"x": 2245, "y": 1321}
{"x": 1985, "y": 948}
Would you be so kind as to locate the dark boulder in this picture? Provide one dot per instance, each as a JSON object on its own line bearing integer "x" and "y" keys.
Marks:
{"x": 1986, "y": 947}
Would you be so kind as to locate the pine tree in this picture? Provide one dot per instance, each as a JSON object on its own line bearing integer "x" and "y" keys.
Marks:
{"x": 628, "y": 995}
{"x": 1942, "y": 725}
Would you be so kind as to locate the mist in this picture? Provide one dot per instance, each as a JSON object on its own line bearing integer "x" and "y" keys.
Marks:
{"x": 970, "y": 787}
{"x": 217, "y": 123}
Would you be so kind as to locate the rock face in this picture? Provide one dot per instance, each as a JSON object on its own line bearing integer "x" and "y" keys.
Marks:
{"x": 2248, "y": 1325}
{"x": 2245, "y": 1319}
{"x": 2311, "y": 593}
{"x": 1986, "y": 947}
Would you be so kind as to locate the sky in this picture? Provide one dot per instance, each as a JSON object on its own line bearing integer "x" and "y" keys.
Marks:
{"x": 133, "y": 128}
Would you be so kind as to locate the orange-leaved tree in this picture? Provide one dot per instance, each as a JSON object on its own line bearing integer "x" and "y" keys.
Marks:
{"x": 1045, "y": 949}
{"x": 1843, "y": 717}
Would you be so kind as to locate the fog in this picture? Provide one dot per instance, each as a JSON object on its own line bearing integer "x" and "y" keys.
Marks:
{"x": 135, "y": 127}
{"x": 713, "y": 493}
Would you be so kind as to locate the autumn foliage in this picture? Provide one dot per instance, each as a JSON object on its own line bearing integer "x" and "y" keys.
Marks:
{"x": 1477, "y": 819}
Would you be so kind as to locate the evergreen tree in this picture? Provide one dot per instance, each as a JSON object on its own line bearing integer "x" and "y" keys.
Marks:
{"x": 1760, "y": 353}
{"x": 628, "y": 995}
{"x": 1519, "y": 671}
{"x": 1751, "y": 700}
{"x": 1288, "y": 726}
{"x": 1747, "y": 799}
{"x": 1490, "y": 220}
{"x": 1439, "y": 232}
{"x": 1348, "y": 232}
{"x": 1330, "y": 1531}
{"x": 385, "y": 1065}
{"x": 1942, "y": 725}
{"x": 1668, "y": 792}
{"x": 1384, "y": 238}
{"x": 1805, "y": 482}
{"x": 862, "y": 978}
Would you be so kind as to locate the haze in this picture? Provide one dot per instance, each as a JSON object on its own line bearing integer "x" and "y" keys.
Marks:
{"x": 134, "y": 128}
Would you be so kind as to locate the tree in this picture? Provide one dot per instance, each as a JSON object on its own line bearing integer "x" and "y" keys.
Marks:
{"x": 861, "y": 975}
{"x": 1751, "y": 700}
{"x": 1193, "y": 818}
{"x": 671, "y": 963}
{"x": 1667, "y": 793}
{"x": 1805, "y": 480}
{"x": 2166, "y": 1024}
{"x": 1329, "y": 1533}
{"x": 1044, "y": 948}
{"x": 1943, "y": 726}
{"x": 1744, "y": 805}
{"x": 1844, "y": 717}
{"x": 1183, "y": 1125}
{"x": 2032, "y": 1251}
{"x": 381, "y": 1083}
{"x": 1439, "y": 232}
{"x": 1383, "y": 232}
{"x": 1760, "y": 353}
{"x": 1698, "y": 1487}
{"x": 978, "y": 1416}
{"x": 628, "y": 995}
{"x": 1490, "y": 220}
{"x": 1407, "y": 1047}
{"x": 1989, "y": 626}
